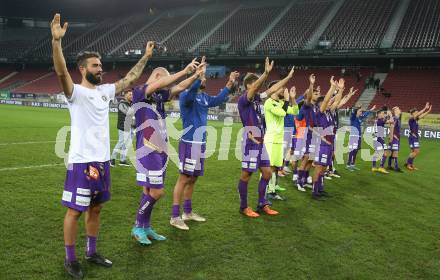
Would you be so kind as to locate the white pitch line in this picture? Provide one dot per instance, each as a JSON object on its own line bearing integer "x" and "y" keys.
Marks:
{"x": 37, "y": 142}
{"x": 58, "y": 164}
{"x": 30, "y": 167}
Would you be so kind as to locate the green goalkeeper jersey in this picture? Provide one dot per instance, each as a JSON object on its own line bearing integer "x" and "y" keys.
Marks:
{"x": 274, "y": 115}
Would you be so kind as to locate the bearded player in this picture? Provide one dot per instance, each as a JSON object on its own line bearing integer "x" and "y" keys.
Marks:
{"x": 87, "y": 184}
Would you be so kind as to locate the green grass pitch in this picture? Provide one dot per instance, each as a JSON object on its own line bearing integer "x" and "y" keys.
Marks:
{"x": 374, "y": 227}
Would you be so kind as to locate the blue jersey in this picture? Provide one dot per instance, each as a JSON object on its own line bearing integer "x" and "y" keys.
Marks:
{"x": 356, "y": 122}
{"x": 194, "y": 111}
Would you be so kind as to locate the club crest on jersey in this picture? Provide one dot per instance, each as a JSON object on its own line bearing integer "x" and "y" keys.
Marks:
{"x": 104, "y": 98}
{"x": 92, "y": 173}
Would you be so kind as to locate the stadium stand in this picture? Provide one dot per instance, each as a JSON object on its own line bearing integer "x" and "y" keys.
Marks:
{"x": 195, "y": 30}
{"x": 410, "y": 89}
{"x": 14, "y": 42}
{"x": 156, "y": 32}
{"x": 360, "y": 24}
{"x": 295, "y": 28}
{"x": 421, "y": 25}
{"x": 240, "y": 30}
{"x": 120, "y": 34}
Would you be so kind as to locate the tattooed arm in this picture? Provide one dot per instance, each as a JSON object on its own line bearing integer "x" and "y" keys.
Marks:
{"x": 135, "y": 72}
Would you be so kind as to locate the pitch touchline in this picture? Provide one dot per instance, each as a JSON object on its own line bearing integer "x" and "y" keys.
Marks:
{"x": 58, "y": 164}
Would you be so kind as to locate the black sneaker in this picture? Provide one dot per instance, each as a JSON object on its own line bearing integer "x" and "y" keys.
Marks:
{"x": 325, "y": 194}
{"x": 99, "y": 260}
{"x": 123, "y": 163}
{"x": 112, "y": 163}
{"x": 73, "y": 268}
{"x": 398, "y": 170}
{"x": 318, "y": 197}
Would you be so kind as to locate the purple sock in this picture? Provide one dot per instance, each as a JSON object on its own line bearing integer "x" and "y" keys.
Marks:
{"x": 374, "y": 162}
{"x": 350, "y": 158}
{"x": 382, "y": 162}
{"x": 410, "y": 160}
{"x": 396, "y": 163}
{"x": 321, "y": 183}
{"x": 187, "y": 206}
{"x": 176, "y": 211}
{"x": 390, "y": 161}
{"x": 300, "y": 178}
{"x": 91, "y": 245}
{"x": 144, "y": 212}
{"x": 242, "y": 191}
{"x": 316, "y": 187}
{"x": 262, "y": 191}
{"x": 70, "y": 252}
{"x": 286, "y": 163}
{"x": 295, "y": 170}
{"x": 354, "y": 156}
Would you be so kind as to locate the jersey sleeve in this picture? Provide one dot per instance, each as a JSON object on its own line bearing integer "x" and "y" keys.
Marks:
{"x": 292, "y": 110}
{"x": 76, "y": 95}
{"x": 220, "y": 98}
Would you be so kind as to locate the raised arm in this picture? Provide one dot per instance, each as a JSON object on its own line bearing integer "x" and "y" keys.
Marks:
{"x": 59, "y": 62}
{"x": 133, "y": 75}
{"x": 345, "y": 99}
{"x": 183, "y": 85}
{"x": 309, "y": 92}
{"x": 257, "y": 85}
{"x": 426, "y": 113}
{"x": 281, "y": 83}
{"x": 333, "y": 86}
{"x": 337, "y": 99}
{"x": 169, "y": 80}
{"x": 214, "y": 101}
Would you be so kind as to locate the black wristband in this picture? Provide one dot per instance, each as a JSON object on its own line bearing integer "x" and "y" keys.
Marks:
{"x": 285, "y": 105}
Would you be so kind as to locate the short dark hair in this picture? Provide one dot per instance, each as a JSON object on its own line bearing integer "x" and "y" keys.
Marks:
{"x": 412, "y": 110}
{"x": 249, "y": 79}
{"x": 82, "y": 57}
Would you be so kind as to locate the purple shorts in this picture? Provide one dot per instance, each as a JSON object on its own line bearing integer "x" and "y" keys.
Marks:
{"x": 299, "y": 149}
{"x": 312, "y": 144}
{"x": 379, "y": 145}
{"x": 414, "y": 142}
{"x": 151, "y": 170}
{"x": 254, "y": 156}
{"x": 324, "y": 155}
{"x": 394, "y": 145}
{"x": 86, "y": 184}
{"x": 192, "y": 158}
{"x": 354, "y": 143}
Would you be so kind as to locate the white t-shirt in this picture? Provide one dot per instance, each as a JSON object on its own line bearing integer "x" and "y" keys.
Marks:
{"x": 90, "y": 133}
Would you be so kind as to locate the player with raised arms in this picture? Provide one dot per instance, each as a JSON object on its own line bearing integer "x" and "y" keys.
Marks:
{"x": 87, "y": 184}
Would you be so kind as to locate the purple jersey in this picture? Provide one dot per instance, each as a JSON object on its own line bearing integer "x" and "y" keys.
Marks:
{"x": 308, "y": 112}
{"x": 380, "y": 130}
{"x": 325, "y": 122}
{"x": 150, "y": 118}
{"x": 251, "y": 113}
{"x": 414, "y": 127}
{"x": 396, "y": 131}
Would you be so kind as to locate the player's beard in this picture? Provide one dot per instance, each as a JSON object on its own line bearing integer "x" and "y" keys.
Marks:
{"x": 202, "y": 87}
{"x": 94, "y": 79}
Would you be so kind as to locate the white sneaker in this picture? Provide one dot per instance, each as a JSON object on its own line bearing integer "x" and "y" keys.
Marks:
{"x": 295, "y": 177}
{"x": 301, "y": 189}
{"x": 193, "y": 217}
{"x": 310, "y": 186}
{"x": 178, "y": 223}
{"x": 287, "y": 169}
{"x": 327, "y": 177}
{"x": 309, "y": 180}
